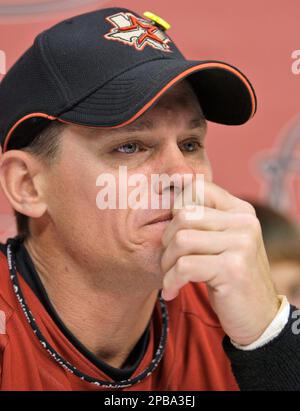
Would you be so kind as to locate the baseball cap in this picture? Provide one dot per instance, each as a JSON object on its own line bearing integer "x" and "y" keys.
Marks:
{"x": 105, "y": 69}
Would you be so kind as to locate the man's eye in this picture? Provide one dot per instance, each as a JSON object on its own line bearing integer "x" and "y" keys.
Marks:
{"x": 129, "y": 148}
{"x": 191, "y": 146}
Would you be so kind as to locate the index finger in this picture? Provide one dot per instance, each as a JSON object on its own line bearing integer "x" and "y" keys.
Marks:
{"x": 212, "y": 196}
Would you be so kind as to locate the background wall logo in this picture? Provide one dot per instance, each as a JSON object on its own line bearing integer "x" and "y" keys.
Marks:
{"x": 280, "y": 167}
{"x": 296, "y": 63}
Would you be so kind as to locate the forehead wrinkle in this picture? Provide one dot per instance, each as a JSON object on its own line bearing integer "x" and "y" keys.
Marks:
{"x": 198, "y": 123}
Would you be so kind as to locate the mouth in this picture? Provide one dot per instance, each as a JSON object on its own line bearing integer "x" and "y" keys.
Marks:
{"x": 162, "y": 219}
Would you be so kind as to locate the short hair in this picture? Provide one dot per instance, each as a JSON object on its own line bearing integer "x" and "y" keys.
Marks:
{"x": 46, "y": 147}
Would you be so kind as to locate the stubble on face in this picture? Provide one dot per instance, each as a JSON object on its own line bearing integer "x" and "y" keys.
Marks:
{"x": 108, "y": 244}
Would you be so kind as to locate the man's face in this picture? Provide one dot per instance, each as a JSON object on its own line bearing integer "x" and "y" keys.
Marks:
{"x": 121, "y": 243}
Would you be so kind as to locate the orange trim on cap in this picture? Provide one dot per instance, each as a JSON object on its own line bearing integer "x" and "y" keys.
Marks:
{"x": 170, "y": 84}
{"x": 151, "y": 102}
{"x": 21, "y": 121}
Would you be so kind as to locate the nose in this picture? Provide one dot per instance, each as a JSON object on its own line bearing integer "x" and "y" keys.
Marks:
{"x": 173, "y": 164}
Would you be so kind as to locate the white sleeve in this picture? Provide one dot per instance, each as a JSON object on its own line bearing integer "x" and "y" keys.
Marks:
{"x": 273, "y": 330}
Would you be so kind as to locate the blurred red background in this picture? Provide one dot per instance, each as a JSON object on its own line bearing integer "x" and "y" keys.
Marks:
{"x": 259, "y": 160}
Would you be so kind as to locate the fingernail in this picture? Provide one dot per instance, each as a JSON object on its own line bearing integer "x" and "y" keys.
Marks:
{"x": 168, "y": 297}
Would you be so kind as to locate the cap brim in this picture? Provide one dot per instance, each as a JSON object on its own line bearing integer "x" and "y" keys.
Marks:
{"x": 225, "y": 94}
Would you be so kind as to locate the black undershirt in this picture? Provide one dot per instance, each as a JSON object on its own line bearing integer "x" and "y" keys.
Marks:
{"x": 27, "y": 270}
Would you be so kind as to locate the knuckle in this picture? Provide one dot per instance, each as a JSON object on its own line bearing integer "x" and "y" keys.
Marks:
{"x": 251, "y": 225}
{"x": 180, "y": 239}
{"x": 180, "y": 266}
{"x": 247, "y": 219}
{"x": 245, "y": 241}
{"x": 254, "y": 226}
{"x": 180, "y": 218}
{"x": 248, "y": 208}
{"x": 234, "y": 263}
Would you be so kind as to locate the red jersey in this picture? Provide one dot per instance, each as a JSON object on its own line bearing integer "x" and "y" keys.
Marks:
{"x": 193, "y": 356}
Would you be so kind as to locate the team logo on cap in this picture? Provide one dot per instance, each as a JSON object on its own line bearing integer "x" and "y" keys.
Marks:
{"x": 134, "y": 31}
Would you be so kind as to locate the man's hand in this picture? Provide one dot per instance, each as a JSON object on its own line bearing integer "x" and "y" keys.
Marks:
{"x": 225, "y": 250}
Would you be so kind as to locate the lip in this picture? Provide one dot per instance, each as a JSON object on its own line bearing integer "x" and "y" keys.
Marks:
{"x": 161, "y": 218}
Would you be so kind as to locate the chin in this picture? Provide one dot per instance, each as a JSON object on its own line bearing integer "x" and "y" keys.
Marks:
{"x": 152, "y": 271}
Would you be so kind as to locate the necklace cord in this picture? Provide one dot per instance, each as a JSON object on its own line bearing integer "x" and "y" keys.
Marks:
{"x": 12, "y": 244}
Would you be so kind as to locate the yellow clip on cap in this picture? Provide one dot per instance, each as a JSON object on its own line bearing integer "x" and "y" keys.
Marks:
{"x": 157, "y": 20}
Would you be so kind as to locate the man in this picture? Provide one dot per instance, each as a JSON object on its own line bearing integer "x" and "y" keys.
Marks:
{"x": 80, "y": 286}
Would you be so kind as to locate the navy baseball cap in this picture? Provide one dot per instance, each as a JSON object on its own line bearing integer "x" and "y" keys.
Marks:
{"x": 105, "y": 69}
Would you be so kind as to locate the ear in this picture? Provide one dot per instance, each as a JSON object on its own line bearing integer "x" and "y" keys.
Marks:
{"x": 21, "y": 178}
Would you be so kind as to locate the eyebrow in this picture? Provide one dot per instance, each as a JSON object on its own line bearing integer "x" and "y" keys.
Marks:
{"x": 197, "y": 123}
